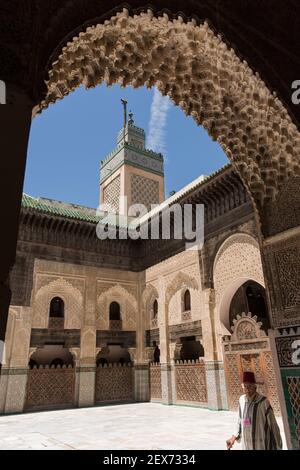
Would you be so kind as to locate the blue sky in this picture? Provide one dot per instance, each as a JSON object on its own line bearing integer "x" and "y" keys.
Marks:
{"x": 68, "y": 140}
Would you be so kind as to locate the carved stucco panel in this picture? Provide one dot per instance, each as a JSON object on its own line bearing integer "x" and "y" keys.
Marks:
{"x": 194, "y": 66}
{"x": 149, "y": 294}
{"x": 88, "y": 345}
{"x": 71, "y": 296}
{"x": 176, "y": 306}
{"x": 128, "y": 304}
{"x": 237, "y": 259}
{"x": 43, "y": 280}
{"x": 288, "y": 269}
{"x": 180, "y": 280}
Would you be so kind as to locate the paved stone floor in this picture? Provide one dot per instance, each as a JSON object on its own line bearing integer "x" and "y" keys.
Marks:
{"x": 126, "y": 427}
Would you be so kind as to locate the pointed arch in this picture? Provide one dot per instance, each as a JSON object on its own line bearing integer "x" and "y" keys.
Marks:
{"x": 194, "y": 66}
{"x": 180, "y": 281}
{"x": 128, "y": 306}
{"x": 70, "y": 295}
{"x": 238, "y": 260}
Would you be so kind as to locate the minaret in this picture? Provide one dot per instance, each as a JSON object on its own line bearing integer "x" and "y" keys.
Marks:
{"x": 131, "y": 170}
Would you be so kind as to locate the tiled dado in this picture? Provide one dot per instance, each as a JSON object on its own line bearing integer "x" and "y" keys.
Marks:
{"x": 13, "y": 389}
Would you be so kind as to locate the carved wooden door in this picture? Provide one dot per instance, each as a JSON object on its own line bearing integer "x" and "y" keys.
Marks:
{"x": 253, "y": 363}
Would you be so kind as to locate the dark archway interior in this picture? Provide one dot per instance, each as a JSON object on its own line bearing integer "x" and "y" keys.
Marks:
{"x": 51, "y": 355}
{"x": 187, "y": 301}
{"x": 156, "y": 352}
{"x": 155, "y": 308}
{"x": 191, "y": 349}
{"x": 114, "y": 311}
{"x": 250, "y": 298}
{"x": 113, "y": 354}
{"x": 57, "y": 308}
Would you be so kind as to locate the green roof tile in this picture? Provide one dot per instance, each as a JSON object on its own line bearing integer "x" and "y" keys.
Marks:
{"x": 87, "y": 214}
{"x": 50, "y": 206}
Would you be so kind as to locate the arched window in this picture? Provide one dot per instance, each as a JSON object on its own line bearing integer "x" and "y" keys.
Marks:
{"x": 114, "y": 311}
{"x": 57, "y": 308}
{"x": 187, "y": 301}
{"x": 155, "y": 308}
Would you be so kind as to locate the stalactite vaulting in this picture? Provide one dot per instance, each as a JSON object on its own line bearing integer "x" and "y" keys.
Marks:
{"x": 202, "y": 75}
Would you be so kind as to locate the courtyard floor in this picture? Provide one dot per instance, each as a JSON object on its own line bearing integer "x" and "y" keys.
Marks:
{"x": 127, "y": 427}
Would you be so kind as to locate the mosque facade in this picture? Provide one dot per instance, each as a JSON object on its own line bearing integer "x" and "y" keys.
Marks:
{"x": 95, "y": 321}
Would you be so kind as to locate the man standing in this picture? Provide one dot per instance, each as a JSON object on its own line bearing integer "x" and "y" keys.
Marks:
{"x": 257, "y": 427}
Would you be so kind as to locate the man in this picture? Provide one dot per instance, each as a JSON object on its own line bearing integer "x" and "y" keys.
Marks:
{"x": 257, "y": 427}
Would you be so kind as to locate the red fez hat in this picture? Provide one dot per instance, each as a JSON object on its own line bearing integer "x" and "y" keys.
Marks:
{"x": 248, "y": 377}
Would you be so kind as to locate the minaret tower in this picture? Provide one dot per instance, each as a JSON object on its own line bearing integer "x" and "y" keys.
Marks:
{"x": 131, "y": 170}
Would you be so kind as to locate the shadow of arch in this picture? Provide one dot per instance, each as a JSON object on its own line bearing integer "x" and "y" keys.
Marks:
{"x": 51, "y": 356}
{"x": 113, "y": 354}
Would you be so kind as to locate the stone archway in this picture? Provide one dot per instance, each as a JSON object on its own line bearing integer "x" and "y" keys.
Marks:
{"x": 200, "y": 73}
{"x": 249, "y": 121}
{"x": 191, "y": 64}
{"x": 128, "y": 307}
{"x": 180, "y": 281}
{"x": 70, "y": 295}
{"x": 237, "y": 261}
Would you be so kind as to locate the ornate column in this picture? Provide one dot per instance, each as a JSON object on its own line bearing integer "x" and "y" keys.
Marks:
{"x": 15, "y": 121}
{"x": 174, "y": 355}
{"x": 87, "y": 367}
{"x": 279, "y": 220}
{"x": 140, "y": 355}
{"x": 76, "y": 364}
{"x": 140, "y": 375}
{"x": 214, "y": 365}
{"x": 165, "y": 365}
{"x": 137, "y": 383}
{"x": 15, "y": 369}
{"x": 281, "y": 262}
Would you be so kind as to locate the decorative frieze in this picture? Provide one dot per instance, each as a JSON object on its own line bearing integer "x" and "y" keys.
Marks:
{"x": 126, "y": 338}
{"x": 185, "y": 329}
{"x": 67, "y": 338}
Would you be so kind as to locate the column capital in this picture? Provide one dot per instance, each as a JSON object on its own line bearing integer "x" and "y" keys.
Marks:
{"x": 133, "y": 354}
{"x": 175, "y": 349}
{"x": 149, "y": 354}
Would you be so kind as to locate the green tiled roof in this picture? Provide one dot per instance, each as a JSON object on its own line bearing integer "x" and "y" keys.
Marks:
{"x": 71, "y": 211}
{"x": 50, "y": 206}
{"x": 88, "y": 214}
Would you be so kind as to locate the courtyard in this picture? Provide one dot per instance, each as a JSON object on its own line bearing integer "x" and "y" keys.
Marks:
{"x": 135, "y": 426}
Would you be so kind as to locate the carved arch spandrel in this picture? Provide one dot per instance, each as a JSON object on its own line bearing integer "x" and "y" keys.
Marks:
{"x": 149, "y": 295}
{"x": 73, "y": 302}
{"x": 128, "y": 304}
{"x": 180, "y": 281}
{"x": 237, "y": 261}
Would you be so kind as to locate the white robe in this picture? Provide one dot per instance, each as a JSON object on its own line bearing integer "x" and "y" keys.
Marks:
{"x": 257, "y": 427}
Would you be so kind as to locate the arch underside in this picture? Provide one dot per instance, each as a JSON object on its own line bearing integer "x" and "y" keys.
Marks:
{"x": 202, "y": 75}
